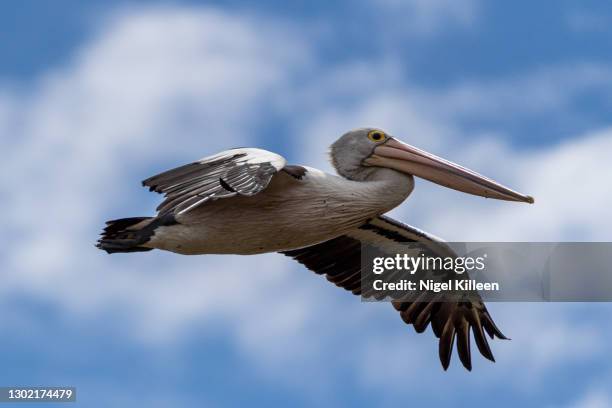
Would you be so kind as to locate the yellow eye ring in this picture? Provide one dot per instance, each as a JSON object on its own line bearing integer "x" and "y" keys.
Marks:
{"x": 377, "y": 136}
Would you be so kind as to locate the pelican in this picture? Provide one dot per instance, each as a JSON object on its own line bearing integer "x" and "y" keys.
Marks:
{"x": 250, "y": 201}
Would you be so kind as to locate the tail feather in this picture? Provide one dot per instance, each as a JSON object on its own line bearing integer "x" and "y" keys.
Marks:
{"x": 126, "y": 235}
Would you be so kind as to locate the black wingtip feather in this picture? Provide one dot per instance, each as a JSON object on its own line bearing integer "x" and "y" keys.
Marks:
{"x": 490, "y": 327}
{"x": 463, "y": 344}
{"x": 479, "y": 335}
{"x": 447, "y": 340}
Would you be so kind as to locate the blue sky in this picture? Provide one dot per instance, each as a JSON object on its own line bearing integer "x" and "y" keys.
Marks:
{"x": 96, "y": 96}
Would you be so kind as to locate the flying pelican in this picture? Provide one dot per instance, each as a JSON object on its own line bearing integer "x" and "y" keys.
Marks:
{"x": 250, "y": 201}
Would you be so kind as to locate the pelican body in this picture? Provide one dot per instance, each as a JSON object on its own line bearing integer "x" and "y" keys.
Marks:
{"x": 292, "y": 212}
{"x": 250, "y": 201}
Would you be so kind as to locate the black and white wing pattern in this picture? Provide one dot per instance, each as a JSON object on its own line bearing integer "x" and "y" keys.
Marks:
{"x": 339, "y": 260}
{"x": 244, "y": 171}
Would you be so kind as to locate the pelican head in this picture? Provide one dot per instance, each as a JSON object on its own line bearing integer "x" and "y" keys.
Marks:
{"x": 360, "y": 153}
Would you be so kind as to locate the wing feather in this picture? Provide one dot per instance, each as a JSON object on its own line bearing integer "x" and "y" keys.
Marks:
{"x": 339, "y": 260}
{"x": 230, "y": 173}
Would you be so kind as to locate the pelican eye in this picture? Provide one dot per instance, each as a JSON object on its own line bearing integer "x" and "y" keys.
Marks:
{"x": 377, "y": 136}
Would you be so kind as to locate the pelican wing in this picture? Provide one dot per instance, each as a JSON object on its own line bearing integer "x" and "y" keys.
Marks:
{"x": 244, "y": 171}
{"x": 339, "y": 259}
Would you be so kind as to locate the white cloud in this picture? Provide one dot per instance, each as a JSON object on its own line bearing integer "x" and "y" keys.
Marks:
{"x": 595, "y": 398}
{"x": 428, "y": 16}
{"x": 543, "y": 90}
{"x": 155, "y": 85}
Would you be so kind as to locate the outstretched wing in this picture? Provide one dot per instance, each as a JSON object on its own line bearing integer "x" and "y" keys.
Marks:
{"x": 339, "y": 259}
{"x": 244, "y": 171}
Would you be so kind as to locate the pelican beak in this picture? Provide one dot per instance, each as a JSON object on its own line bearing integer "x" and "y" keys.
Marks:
{"x": 408, "y": 159}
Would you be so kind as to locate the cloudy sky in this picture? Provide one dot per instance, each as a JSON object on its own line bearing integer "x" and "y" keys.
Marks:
{"x": 96, "y": 96}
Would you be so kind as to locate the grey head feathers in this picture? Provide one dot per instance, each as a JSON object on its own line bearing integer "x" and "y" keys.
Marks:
{"x": 351, "y": 149}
